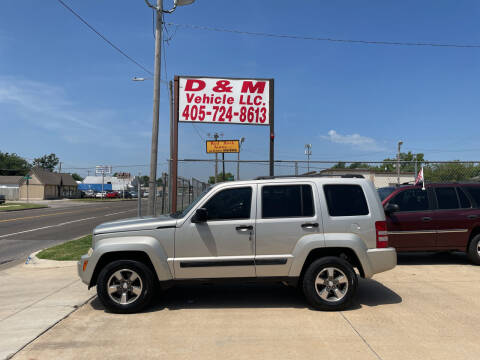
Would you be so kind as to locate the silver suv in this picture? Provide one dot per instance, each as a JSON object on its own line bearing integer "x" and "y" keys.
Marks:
{"x": 307, "y": 231}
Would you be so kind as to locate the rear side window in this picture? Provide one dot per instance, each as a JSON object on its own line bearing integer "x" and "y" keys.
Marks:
{"x": 474, "y": 192}
{"x": 287, "y": 201}
{"x": 446, "y": 198}
{"x": 411, "y": 200}
{"x": 345, "y": 200}
{"x": 464, "y": 202}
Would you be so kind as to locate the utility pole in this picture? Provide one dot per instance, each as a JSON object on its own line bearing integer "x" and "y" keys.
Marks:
{"x": 152, "y": 184}
{"x": 59, "y": 167}
{"x": 156, "y": 110}
{"x": 308, "y": 152}
{"x": 398, "y": 162}
{"x": 238, "y": 157}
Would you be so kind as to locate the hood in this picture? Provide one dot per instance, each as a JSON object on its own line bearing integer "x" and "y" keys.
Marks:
{"x": 135, "y": 224}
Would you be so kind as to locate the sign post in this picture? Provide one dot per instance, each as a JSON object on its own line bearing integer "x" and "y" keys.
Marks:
{"x": 27, "y": 177}
{"x": 102, "y": 169}
{"x": 202, "y": 99}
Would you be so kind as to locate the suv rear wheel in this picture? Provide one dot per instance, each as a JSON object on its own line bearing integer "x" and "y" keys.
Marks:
{"x": 125, "y": 286}
{"x": 474, "y": 250}
{"x": 329, "y": 283}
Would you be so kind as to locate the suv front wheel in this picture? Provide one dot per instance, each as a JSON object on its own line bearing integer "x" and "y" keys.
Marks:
{"x": 329, "y": 283}
{"x": 125, "y": 286}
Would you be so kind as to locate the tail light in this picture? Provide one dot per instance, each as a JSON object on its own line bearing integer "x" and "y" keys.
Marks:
{"x": 382, "y": 234}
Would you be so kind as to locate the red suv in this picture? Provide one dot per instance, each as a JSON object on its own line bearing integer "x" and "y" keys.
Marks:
{"x": 441, "y": 217}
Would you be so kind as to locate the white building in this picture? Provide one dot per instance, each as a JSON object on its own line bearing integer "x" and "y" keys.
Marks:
{"x": 379, "y": 179}
{"x": 117, "y": 184}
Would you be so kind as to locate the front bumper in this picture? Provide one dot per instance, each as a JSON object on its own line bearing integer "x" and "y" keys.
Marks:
{"x": 84, "y": 271}
{"x": 381, "y": 260}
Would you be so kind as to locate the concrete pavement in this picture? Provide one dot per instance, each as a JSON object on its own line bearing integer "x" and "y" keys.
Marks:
{"x": 413, "y": 312}
{"x": 35, "y": 298}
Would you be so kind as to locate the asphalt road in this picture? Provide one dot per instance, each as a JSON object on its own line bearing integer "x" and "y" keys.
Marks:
{"x": 26, "y": 231}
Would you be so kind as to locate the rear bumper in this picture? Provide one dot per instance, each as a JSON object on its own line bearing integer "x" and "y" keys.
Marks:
{"x": 380, "y": 260}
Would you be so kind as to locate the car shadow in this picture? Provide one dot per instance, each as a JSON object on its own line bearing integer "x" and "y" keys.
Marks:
{"x": 255, "y": 295}
{"x": 433, "y": 258}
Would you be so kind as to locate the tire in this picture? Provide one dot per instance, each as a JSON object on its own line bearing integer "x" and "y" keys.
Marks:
{"x": 134, "y": 282}
{"x": 474, "y": 250}
{"x": 336, "y": 291}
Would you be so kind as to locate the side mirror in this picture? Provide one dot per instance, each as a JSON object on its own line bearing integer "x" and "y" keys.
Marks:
{"x": 391, "y": 208}
{"x": 200, "y": 216}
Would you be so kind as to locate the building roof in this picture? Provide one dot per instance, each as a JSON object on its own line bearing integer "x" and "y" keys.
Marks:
{"x": 50, "y": 178}
{"x": 10, "y": 180}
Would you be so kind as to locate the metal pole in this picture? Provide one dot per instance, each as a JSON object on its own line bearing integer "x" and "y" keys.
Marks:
{"x": 172, "y": 150}
{"x": 103, "y": 180}
{"x": 215, "y": 136}
{"x": 272, "y": 130}
{"x": 238, "y": 164}
{"x": 398, "y": 162}
{"x": 174, "y": 175}
{"x": 296, "y": 168}
{"x": 139, "y": 193}
{"x": 164, "y": 184}
{"x": 223, "y": 166}
{"x": 156, "y": 110}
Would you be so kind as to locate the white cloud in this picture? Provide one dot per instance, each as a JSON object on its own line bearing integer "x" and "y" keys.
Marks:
{"x": 355, "y": 140}
{"x": 49, "y": 107}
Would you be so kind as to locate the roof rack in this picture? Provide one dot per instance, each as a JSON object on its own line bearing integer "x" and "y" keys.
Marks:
{"x": 356, "y": 176}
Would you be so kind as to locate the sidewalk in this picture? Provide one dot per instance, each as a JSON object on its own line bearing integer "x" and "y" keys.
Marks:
{"x": 33, "y": 299}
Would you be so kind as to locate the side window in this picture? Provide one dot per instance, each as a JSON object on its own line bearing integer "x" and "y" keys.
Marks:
{"x": 474, "y": 192}
{"x": 446, "y": 198}
{"x": 345, "y": 200}
{"x": 411, "y": 200}
{"x": 464, "y": 201}
{"x": 287, "y": 201}
{"x": 230, "y": 204}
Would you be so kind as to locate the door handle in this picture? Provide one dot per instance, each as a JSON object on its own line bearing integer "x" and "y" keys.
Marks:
{"x": 473, "y": 217}
{"x": 309, "y": 225}
{"x": 244, "y": 227}
{"x": 426, "y": 219}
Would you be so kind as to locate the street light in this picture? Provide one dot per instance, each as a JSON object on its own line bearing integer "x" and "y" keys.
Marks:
{"x": 238, "y": 162}
{"x": 400, "y": 143}
{"x": 308, "y": 152}
{"x": 152, "y": 191}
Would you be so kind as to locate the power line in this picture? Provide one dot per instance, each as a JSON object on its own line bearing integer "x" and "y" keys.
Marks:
{"x": 314, "y": 38}
{"x": 104, "y": 38}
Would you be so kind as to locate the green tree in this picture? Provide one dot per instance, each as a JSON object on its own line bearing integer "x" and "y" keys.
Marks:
{"x": 390, "y": 166}
{"x": 450, "y": 172}
{"x": 77, "y": 177}
{"x": 228, "y": 177}
{"x": 13, "y": 164}
{"x": 47, "y": 162}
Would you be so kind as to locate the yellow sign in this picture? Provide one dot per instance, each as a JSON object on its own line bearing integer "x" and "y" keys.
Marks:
{"x": 223, "y": 146}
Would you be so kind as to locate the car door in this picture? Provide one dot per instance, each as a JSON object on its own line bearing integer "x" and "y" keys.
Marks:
{"x": 223, "y": 246}
{"x": 451, "y": 217}
{"x": 286, "y": 213}
{"x": 412, "y": 227}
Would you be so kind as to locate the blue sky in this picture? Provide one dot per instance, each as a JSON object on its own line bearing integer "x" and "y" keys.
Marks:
{"x": 63, "y": 90}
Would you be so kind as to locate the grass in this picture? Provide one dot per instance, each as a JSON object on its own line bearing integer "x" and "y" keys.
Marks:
{"x": 20, "y": 206}
{"x": 71, "y": 250}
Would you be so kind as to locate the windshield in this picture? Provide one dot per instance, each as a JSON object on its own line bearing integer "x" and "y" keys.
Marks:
{"x": 180, "y": 214}
{"x": 385, "y": 191}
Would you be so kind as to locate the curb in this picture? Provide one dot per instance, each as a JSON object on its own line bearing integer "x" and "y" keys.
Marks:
{"x": 35, "y": 208}
{"x": 34, "y": 262}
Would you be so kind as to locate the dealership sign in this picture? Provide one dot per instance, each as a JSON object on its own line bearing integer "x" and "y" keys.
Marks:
{"x": 223, "y": 146}
{"x": 224, "y": 101}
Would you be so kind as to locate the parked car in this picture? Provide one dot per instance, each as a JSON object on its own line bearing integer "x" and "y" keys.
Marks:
{"x": 88, "y": 194}
{"x": 112, "y": 195}
{"x": 134, "y": 194}
{"x": 2, "y": 199}
{"x": 124, "y": 194}
{"x": 442, "y": 217}
{"x": 101, "y": 194}
{"x": 306, "y": 231}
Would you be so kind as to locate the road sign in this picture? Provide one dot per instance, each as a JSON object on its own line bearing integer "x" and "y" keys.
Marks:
{"x": 225, "y": 100}
{"x": 223, "y": 146}
{"x": 103, "y": 170}
{"x": 27, "y": 177}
